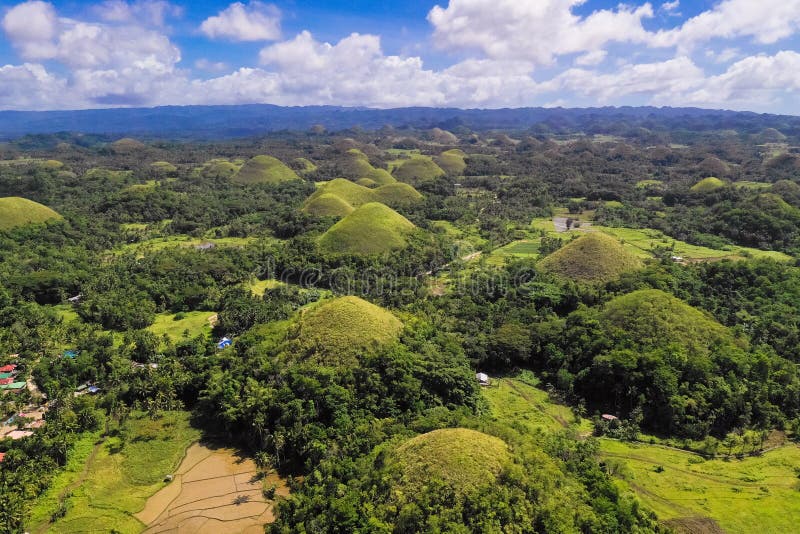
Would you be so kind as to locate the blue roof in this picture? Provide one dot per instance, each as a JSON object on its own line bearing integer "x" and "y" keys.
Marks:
{"x": 70, "y": 353}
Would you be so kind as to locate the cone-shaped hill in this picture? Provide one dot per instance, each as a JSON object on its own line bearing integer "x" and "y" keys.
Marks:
{"x": 463, "y": 459}
{"x": 354, "y": 165}
{"x": 706, "y": 185}
{"x": 373, "y": 228}
{"x": 328, "y": 205}
{"x": 336, "y": 331}
{"x": 594, "y": 258}
{"x": 396, "y": 195}
{"x": 452, "y": 162}
{"x": 264, "y": 170}
{"x": 652, "y": 318}
{"x": 16, "y": 211}
{"x": 417, "y": 169}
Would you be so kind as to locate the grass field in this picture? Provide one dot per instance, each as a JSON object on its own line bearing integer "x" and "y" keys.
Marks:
{"x": 108, "y": 481}
{"x": 523, "y": 248}
{"x": 161, "y": 243}
{"x": 754, "y": 495}
{"x": 196, "y": 322}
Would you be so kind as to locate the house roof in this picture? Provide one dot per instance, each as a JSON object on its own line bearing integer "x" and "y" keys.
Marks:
{"x": 18, "y": 434}
{"x": 5, "y": 375}
{"x": 14, "y": 385}
{"x": 4, "y": 381}
{"x": 8, "y": 368}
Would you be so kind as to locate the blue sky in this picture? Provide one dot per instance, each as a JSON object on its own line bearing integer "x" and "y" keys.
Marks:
{"x": 733, "y": 54}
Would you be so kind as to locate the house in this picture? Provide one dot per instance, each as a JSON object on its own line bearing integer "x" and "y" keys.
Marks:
{"x": 2, "y": 457}
{"x": 71, "y": 354}
{"x": 224, "y": 343}
{"x": 6, "y": 375}
{"x": 205, "y": 246}
{"x": 76, "y": 299}
{"x": 609, "y": 417}
{"x": 93, "y": 390}
{"x": 33, "y": 425}
{"x": 8, "y": 368}
{"x": 483, "y": 379}
{"x": 5, "y": 381}
{"x": 14, "y": 386}
{"x": 677, "y": 259}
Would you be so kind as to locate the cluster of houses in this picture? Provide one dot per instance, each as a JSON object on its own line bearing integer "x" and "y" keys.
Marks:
{"x": 9, "y": 381}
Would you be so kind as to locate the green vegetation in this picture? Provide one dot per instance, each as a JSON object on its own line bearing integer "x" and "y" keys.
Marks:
{"x": 396, "y": 195}
{"x": 163, "y": 167}
{"x": 371, "y": 229}
{"x": 15, "y": 212}
{"x": 118, "y": 476}
{"x": 367, "y": 182}
{"x": 219, "y": 168}
{"x": 353, "y": 194}
{"x": 335, "y": 331}
{"x": 304, "y": 165}
{"x": 452, "y": 162}
{"x": 464, "y": 459}
{"x": 328, "y": 205}
{"x": 264, "y": 170}
{"x": 593, "y": 257}
{"x": 416, "y": 170}
{"x": 706, "y": 185}
{"x": 182, "y": 325}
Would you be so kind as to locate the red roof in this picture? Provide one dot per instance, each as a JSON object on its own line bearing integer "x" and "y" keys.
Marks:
{"x": 2, "y": 456}
{"x": 8, "y": 368}
{"x": 4, "y": 381}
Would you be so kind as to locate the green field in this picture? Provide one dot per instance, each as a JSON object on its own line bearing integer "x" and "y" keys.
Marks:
{"x": 753, "y": 495}
{"x": 107, "y": 481}
{"x": 523, "y": 248}
{"x": 195, "y": 322}
{"x": 161, "y": 243}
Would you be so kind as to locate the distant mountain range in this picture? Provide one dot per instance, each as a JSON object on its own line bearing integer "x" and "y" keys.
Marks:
{"x": 210, "y": 122}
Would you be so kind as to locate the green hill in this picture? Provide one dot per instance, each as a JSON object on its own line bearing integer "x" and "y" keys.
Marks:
{"x": 328, "y": 205}
{"x": 126, "y": 144}
{"x": 706, "y": 185}
{"x": 304, "y": 165}
{"x": 335, "y": 331}
{"x": 464, "y": 459}
{"x": 395, "y": 195}
{"x": 367, "y": 182}
{"x": 163, "y": 167}
{"x": 52, "y": 164}
{"x": 398, "y": 194}
{"x": 354, "y": 164}
{"x": 437, "y": 135}
{"x": 380, "y": 176}
{"x": 371, "y": 229}
{"x": 417, "y": 169}
{"x": 594, "y": 257}
{"x": 452, "y": 162}
{"x": 653, "y": 318}
{"x": 15, "y": 211}
{"x": 219, "y": 168}
{"x": 264, "y": 170}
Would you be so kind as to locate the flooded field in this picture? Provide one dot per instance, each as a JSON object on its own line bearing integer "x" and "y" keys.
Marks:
{"x": 214, "y": 491}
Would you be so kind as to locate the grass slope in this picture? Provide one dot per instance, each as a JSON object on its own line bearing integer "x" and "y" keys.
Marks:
{"x": 16, "y": 211}
{"x": 651, "y": 316}
{"x": 117, "y": 478}
{"x": 462, "y": 458}
{"x": 373, "y": 228}
{"x": 264, "y": 170}
{"x": 417, "y": 169}
{"x": 195, "y": 323}
{"x": 328, "y": 205}
{"x": 333, "y": 331}
{"x": 452, "y": 162}
{"x": 594, "y": 257}
{"x": 706, "y": 185}
{"x": 397, "y": 194}
{"x": 219, "y": 167}
{"x": 348, "y": 191}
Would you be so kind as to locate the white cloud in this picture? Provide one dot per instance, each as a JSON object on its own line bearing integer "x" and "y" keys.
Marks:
{"x": 765, "y": 21}
{"x": 536, "y": 31}
{"x": 591, "y": 58}
{"x": 153, "y": 12}
{"x": 31, "y": 27}
{"x": 238, "y": 22}
{"x": 30, "y": 86}
{"x": 671, "y": 7}
{"x": 210, "y": 66}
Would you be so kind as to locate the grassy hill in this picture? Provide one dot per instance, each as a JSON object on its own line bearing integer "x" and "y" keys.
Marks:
{"x": 264, "y": 170}
{"x": 219, "y": 167}
{"x": 706, "y": 185}
{"x": 417, "y": 169}
{"x": 367, "y": 182}
{"x": 16, "y": 211}
{"x": 653, "y": 317}
{"x": 452, "y": 162}
{"x": 380, "y": 176}
{"x": 304, "y": 165}
{"x": 594, "y": 257}
{"x": 163, "y": 167}
{"x": 333, "y": 332}
{"x": 127, "y": 145}
{"x": 462, "y": 458}
{"x": 395, "y": 195}
{"x": 373, "y": 228}
{"x": 328, "y": 205}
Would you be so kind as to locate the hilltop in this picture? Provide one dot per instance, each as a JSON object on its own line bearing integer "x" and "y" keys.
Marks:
{"x": 16, "y": 211}
{"x": 328, "y": 205}
{"x": 373, "y": 228}
{"x": 355, "y": 165}
{"x": 396, "y": 195}
{"x": 463, "y": 459}
{"x": 335, "y": 331}
{"x": 452, "y": 162}
{"x": 264, "y": 170}
{"x": 706, "y": 185}
{"x": 417, "y": 169}
{"x": 594, "y": 257}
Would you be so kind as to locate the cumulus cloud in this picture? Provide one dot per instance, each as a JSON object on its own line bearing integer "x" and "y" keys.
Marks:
{"x": 239, "y": 22}
{"x": 154, "y": 12}
{"x": 31, "y": 28}
{"x": 534, "y": 31}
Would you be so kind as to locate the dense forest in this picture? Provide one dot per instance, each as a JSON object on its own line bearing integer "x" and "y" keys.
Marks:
{"x": 645, "y": 276}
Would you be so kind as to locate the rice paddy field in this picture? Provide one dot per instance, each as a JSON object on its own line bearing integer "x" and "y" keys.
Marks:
{"x": 107, "y": 480}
